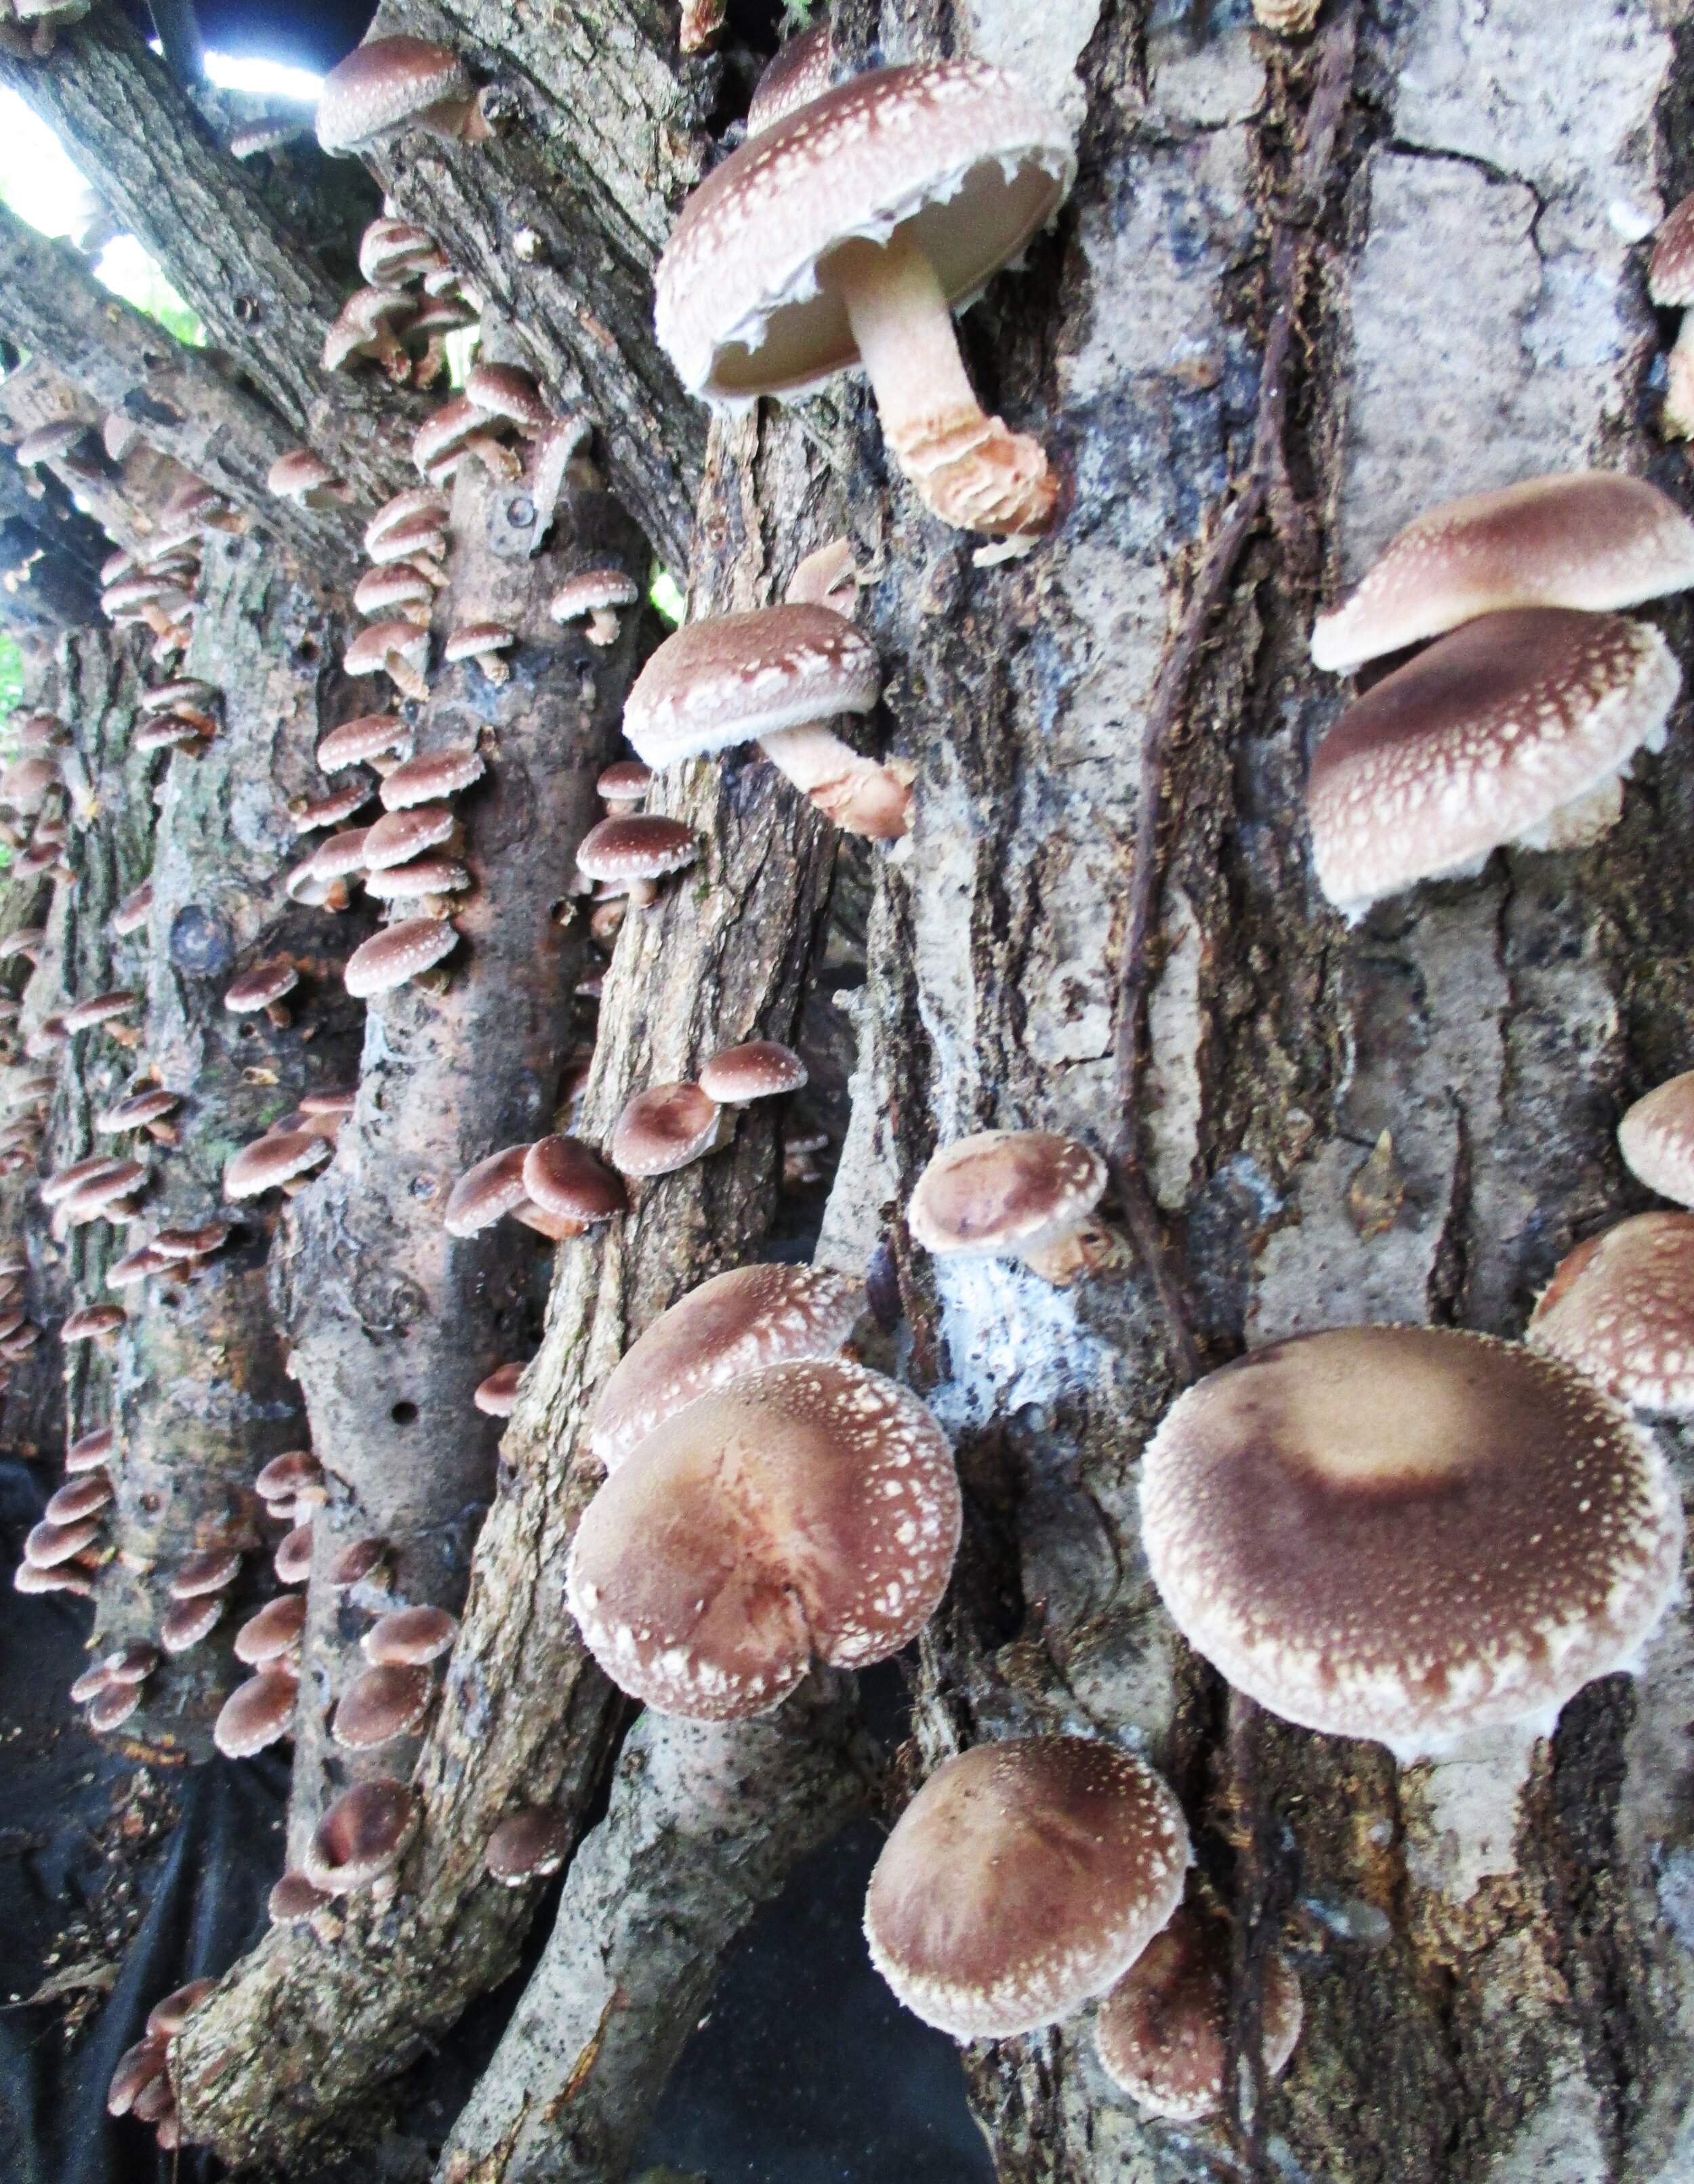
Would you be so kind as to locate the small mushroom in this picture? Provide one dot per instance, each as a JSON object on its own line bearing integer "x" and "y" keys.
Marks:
{"x": 397, "y": 954}
{"x": 399, "y": 589}
{"x": 292, "y": 1560}
{"x": 483, "y": 642}
{"x": 306, "y": 479}
{"x": 142, "y": 1111}
{"x": 762, "y": 1069}
{"x": 637, "y": 851}
{"x": 496, "y": 1397}
{"x": 93, "y": 1323}
{"x": 317, "y": 813}
{"x": 294, "y": 1901}
{"x": 528, "y": 1845}
{"x": 1657, "y": 1139}
{"x": 486, "y": 1193}
{"x": 186, "y": 1622}
{"x": 399, "y": 836}
{"x": 410, "y": 1637}
{"x": 366, "y": 327}
{"x": 597, "y": 594}
{"x": 131, "y": 914}
{"x": 1017, "y": 1194}
{"x": 263, "y": 988}
{"x": 392, "y": 252}
{"x": 1620, "y": 1309}
{"x": 362, "y": 1837}
{"x": 274, "y": 1632}
{"x": 666, "y": 1128}
{"x": 623, "y": 787}
{"x": 1670, "y": 283}
{"x": 256, "y": 1714}
{"x": 381, "y": 1703}
{"x": 273, "y": 1161}
{"x": 434, "y": 776}
{"x": 399, "y": 650}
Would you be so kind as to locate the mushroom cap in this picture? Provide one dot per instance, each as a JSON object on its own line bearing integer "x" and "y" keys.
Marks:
{"x": 137, "y": 2068}
{"x": 27, "y": 1578}
{"x": 486, "y": 1193}
{"x": 273, "y": 1159}
{"x": 1408, "y": 1533}
{"x": 78, "y": 1498}
{"x": 338, "y": 856}
{"x": 625, "y": 782}
{"x": 800, "y": 72}
{"x": 339, "y": 1101}
{"x": 168, "y": 2016}
{"x": 1620, "y": 1309}
{"x": 760, "y": 1069}
{"x": 381, "y": 1703}
{"x": 294, "y": 1900}
{"x": 283, "y": 1477}
{"x": 363, "y": 1834}
{"x": 1023, "y": 1878}
{"x": 213, "y": 1570}
{"x": 1479, "y": 742}
{"x": 637, "y": 845}
{"x": 410, "y": 1637}
{"x": 359, "y": 1560}
{"x": 98, "y": 1008}
{"x": 397, "y": 953}
{"x": 292, "y": 1560}
{"x": 528, "y": 1845}
{"x": 182, "y": 690}
{"x": 298, "y": 473}
{"x": 564, "y": 1177}
{"x": 132, "y": 913}
{"x": 507, "y": 390}
{"x": 436, "y": 774}
{"x": 398, "y": 836}
{"x": 369, "y": 735}
{"x": 446, "y": 431}
{"x": 257, "y": 987}
{"x": 101, "y": 1191}
{"x": 185, "y": 1623}
{"x": 1656, "y": 1139}
{"x": 133, "y": 1663}
{"x": 954, "y": 154}
{"x": 256, "y": 1713}
{"x": 416, "y": 878}
{"x": 808, "y": 1510}
{"x": 1670, "y": 271}
{"x": 64, "y": 1181}
{"x": 331, "y": 810}
{"x": 742, "y": 676}
{"x": 418, "y": 503}
{"x": 273, "y": 1631}
{"x": 369, "y": 651}
{"x": 740, "y": 1323}
{"x": 138, "y": 1110}
{"x": 592, "y": 592}
{"x": 48, "y": 1544}
{"x": 136, "y": 1267}
{"x": 382, "y": 86}
{"x": 390, "y": 585}
{"x": 191, "y": 1243}
{"x": 1005, "y": 1191}
{"x": 110, "y": 1708}
{"x": 90, "y": 1449}
{"x": 92, "y": 1323}
{"x": 1163, "y": 2031}
{"x": 1593, "y": 539}
{"x": 496, "y": 1397}
{"x": 663, "y": 1129}
{"x": 471, "y": 639}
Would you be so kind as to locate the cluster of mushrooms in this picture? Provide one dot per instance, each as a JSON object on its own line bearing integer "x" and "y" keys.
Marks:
{"x": 769, "y": 1501}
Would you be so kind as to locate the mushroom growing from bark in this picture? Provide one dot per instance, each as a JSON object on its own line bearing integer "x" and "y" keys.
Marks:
{"x": 1023, "y": 1879}
{"x": 1656, "y": 1139}
{"x": 362, "y": 1837}
{"x": 636, "y": 851}
{"x": 801, "y": 72}
{"x": 1017, "y": 1194}
{"x": 484, "y": 641}
{"x": 847, "y": 234}
{"x": 809, "y": 1510}
{"x": 393, "y": 83}
{"x": 596, "y": 594}
{"x": 496, "y": 1397}
{"x": 760, "y": 1069}
{"x": 1597, "y": 540}
{"x": 256, "y": 1714}
{"x": 397, "y": 955}
{"x": 1408, "y": 1533}
{"x": 1517, "y": 729}
{"x": 270, "y": 1163}
{"x": 263, "y": 988}
{"x": 398, "y": 649}
{"x": 527, "y": 1846}
{"x": 1620, "y": 1309}
{"x": 665, "y": 1129}
{"x": 306, "y": 479}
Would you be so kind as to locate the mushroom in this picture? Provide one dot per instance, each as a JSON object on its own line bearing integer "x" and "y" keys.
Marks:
{"x": 1163, "y": 2033}
{"x": 167, "y": 2017}
{"x": 1596, "y": 540}
{"x": 79, "y": 1497}
{"x": 458, "y": 429}
{"x": 340, "y": 857}
{"x": 410, "y": 1637}
{"x": 398, "y": 954}
{"x": 846, "y": 234}
{"x": 1670, "y": 283}
{"x": 383, "y": 1703}
{"x": 373, "y": 736}
{"x": 597, "y": 593}
{"x": 186, "y": 1622}
{"x": 483, "y": 642}
{"x": 429, "y": 881}
{"x": 418, "y": 541}
{"x": 528, "y": 1845}
{"x": 434, "y": 776}
{"x": 1023, "y": 1879}
{"x": 400, "y": 588}
{"x": 666, "y": 1128}
{"x": 93, "y": 1323}
{"x": 294, "y": 1901}
{"x": 398, "y": 836}
{"x": 509, "y": 393}
{"x": 273, "y": 1161}
{"x": 138, "y": 2067}
{"x": 46, "y": 1544}
{"x": 286, "y": 1476}
{"x": 256, "y": 1714}
{"x": 212, "y": 1569}
{"x": 90, "y": 1449}
{"x": 1657, "y": 1139}
{"x": 762, "y": 1069}
{"x": 393, "y": 83}
{"x": 1517, "y": 729}
{"x": 366, "y": 328}
{"x": 392, "y": 252}
{"x": 1620, "y": 1309}
{"x": 637, "y": 850}
{"x": 801, "y": 72}
{"x": 292, "y": 1560}
{"x": 486, "y": 1193}
{"x": 741, "y": 1322}
{"x": 361, "y": 1562}
{"x": 321, "y": 811}
{"x": 1017, "y": 1194}
{"x": 362, "y": 1837}
{"x": 262, "y": 987}
{"x": 777, "y": 675}
{"x": 274, "y": 1632}
{"x": 1408, "y": 1533}
{"x": 399, "y": 650}
{"x": 808, "y": 1510}
{"x": 142, "y": 1111}
{"x": 496, "y": 1397}
{"x": 568, "y": 1181}
{"x": 306, "y": 479}
{"x": 623, "y": 787}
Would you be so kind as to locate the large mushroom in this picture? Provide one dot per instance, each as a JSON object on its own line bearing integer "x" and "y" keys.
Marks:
{"x": 394, "y": 83}
{"x": 847, "y": 234}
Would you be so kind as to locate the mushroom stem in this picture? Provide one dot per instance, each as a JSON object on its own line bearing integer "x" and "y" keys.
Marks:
{"x": 1093, "y": 1249}
{"x": 859, "y": 795}
{"x": 967, "y": 467}
{"x": 1677, "y": 420}
{"x": 602, "y": 627}
{"x": 406, "y": 677}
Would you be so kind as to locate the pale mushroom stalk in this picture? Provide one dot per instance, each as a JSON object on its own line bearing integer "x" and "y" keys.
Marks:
{"x": 967, "y": 467}
{"x": 858, "y": 794}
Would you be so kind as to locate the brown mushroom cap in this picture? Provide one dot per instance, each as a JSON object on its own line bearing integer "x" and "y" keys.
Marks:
{"x": 137, "y": 1111}
{"x": 564, "y": 1177}
{"x": 92, "y": 1323}
{"x": 811, "y": 1509}
{"x": 273, "y": 1631}
{"x": 65, "y": 1180}
{"x": 257, "y": 1713}
{"x": 1163, "y": 2031}
{"x": 1596, "y": 540}
{"x": 1006, "y": 1192}
{"x": 1502, "y": 733}
{"x": 1408, "y": 1533}
{"x": 273, "y": 1159}
{"x": 359, "y": 1560}
{"x": 213, "y": 1570}
{"x": 372, "y": 735}
{"x": 432, "y": 776}
{"x": 185, "y": 1623}
{"x": 409, "y": 1637}
{"x": 90, "y": 1449}
{"x": 332, "y": 811}
{"x": 1023, "y": 1878}
{"x": 292, "y": 1560}
{"x": 419, "y": 878}
{"x": 1656, "y": 1139}
{"x": 485, "y": 1194}
{"x": 167, "y": 2018}
{"x": 398, "y": 836}
{"x": 98, "y": 1009}
{"x": 497, "y": 1396}
{"x": 506, "y": 390}
{"x": 293, "y": 1900}
{"x": 381, "y": 1703}
{"x": 663, "y": 1129}
{"x": 624, "y": 784}
{"x": 592, "y": 592}
{"x": 419, "y": 504}
{"x": 762, "y": 1069}
{"x": 370, "y": 651}
{"x": 473, "y": 640}
{"x": 47, "y": 1545}
{"x": 109, "y": 1709}
{"x": 740, "y": 677}
{"x": 1620, "y": 1309}
{"x": 138, "y": 2067}
{"x": 1670, "y": 272}
{"x": 78, "y": 1498}
{"x": 389, "y": 958}
{"x": 800, "y": 72}
{"x": 299, "y": 472}
{"x": 362, "y": 1837}
{"x": 383, "y": 84}
{"x": 283, "y": 1477}
{"x": 528, "y": 1845}
{"x": 637, "y": 845}
{"x": 338, "y": 856}
{"x": 26, "y": 1578}
{"x": 738, "y": 1323}
{"x": 258, "y": 988}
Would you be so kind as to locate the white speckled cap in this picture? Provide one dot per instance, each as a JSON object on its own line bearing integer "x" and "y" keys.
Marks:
{"x": 799, "y": 73}
{"x": 1005, "y": 1191}
{"x": 383, "y": 84}
{"x": 1594, "y": 539}
{"x": 735, "y": 1324}
{"x": 1620, "y": 1309}
{"x": 809, "y": 1510}
{"x": 1163, "y": 2031}
{"x": 1505, "y": 732}
{"x": 399, "y": 952}
{"x": 957, "y": 153}
{"x": 1656, "y": 1139}
{"x": 1408, "y": 1533}
{"x": 1023, "y": 1878}
{"x": 742, "y": 676}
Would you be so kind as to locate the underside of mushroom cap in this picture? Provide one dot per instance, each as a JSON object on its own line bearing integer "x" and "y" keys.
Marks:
{"x": 1024, "y": 1877}
{"x": 1408, "y": 1533}
{"x": 1492, "y": 736}
{"x": 740, "y": 678}
{"x": 810, "y": 1510}
{"x": 955, "y": 152}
